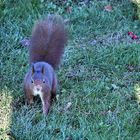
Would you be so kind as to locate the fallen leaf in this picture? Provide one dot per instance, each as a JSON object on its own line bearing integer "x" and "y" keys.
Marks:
{"x": 25, "y": 42}
{"x": 132, "y": 35}
{"x": 103, "y": 112}
{"x": 67, "y": 106}
{"x": 108, "y": 8}
{"x": 69, "y": 9}
{"x": 130, "y": 68}
{"x": 114, "y": 86}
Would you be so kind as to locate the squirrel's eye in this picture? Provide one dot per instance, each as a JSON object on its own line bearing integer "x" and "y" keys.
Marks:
{"x": 32, "y": 81}
{"x": 43, "y": 80}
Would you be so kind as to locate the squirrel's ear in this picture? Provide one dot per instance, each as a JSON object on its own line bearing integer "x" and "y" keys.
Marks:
{"x": 42, "y": 69}
{"x": 33, "y": 69}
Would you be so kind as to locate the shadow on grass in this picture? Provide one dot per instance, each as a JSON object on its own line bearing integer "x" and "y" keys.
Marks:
{"x": 137, "y": 8}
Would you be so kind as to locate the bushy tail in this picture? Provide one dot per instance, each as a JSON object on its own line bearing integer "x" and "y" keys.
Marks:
{"x": 48, "y": 41}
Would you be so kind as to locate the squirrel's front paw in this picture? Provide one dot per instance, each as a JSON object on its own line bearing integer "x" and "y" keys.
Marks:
{"x": 46, "y": 109}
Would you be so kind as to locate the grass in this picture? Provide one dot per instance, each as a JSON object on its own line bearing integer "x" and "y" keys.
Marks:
{"x": 99, "y": 75}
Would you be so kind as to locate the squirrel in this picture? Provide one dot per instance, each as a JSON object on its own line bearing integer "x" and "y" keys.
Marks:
{"x": 47, "y": 44}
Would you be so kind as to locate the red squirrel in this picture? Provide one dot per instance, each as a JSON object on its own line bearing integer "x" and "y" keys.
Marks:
{"x": 47, "y": 45}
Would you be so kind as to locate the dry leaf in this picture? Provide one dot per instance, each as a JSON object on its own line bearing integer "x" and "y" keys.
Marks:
{"x": 67, "y": 106}
{"x": 25, "y": 42}
{"x": 108, "y": 8}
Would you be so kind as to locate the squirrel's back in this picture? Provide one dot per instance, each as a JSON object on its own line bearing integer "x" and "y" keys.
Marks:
{"x": 48, "y": 41}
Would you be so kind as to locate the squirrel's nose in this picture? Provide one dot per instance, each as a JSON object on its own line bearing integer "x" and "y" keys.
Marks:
{"x": 38, "y": 88}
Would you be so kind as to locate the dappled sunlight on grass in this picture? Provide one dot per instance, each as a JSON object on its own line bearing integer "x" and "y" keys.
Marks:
{"x": 5, "y": 112}
{"x": 137, "y": 92}
{"x": 137, "y": 2}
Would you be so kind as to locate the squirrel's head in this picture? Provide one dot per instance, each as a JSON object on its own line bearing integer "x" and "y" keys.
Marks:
{"x": 38, "y": 81}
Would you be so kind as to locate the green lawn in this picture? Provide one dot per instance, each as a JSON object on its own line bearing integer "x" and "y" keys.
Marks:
{"x": 98, "y": 78}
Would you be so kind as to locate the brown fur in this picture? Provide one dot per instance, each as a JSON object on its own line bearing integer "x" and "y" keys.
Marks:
{"x": 47, "y": 46}
{"x": 48, "y": 40}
